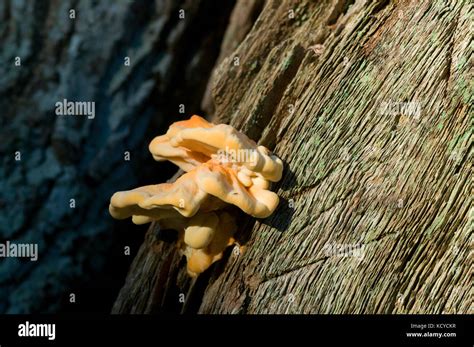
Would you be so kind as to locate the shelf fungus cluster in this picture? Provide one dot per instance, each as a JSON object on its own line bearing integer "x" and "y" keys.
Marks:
{"x": 222, "y": 167}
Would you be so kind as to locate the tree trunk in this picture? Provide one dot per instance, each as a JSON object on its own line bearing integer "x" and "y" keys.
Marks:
{"x": 369, "y": 104}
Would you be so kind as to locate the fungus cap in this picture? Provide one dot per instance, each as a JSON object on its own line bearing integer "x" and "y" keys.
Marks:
{"x": 215, "y": 176}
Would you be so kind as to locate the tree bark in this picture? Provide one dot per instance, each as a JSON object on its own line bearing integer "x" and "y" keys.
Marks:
{"x": 375, "y": 213}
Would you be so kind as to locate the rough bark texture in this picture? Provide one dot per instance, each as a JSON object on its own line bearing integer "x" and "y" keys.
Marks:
{"x": 63, "y": 158}
{"x": 376, "y": 212}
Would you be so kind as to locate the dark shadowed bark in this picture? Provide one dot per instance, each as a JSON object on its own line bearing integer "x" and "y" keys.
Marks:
{"x": 82, "y": 56}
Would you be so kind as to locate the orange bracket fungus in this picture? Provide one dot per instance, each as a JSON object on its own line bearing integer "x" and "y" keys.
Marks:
{"x": 222, "y": 167}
